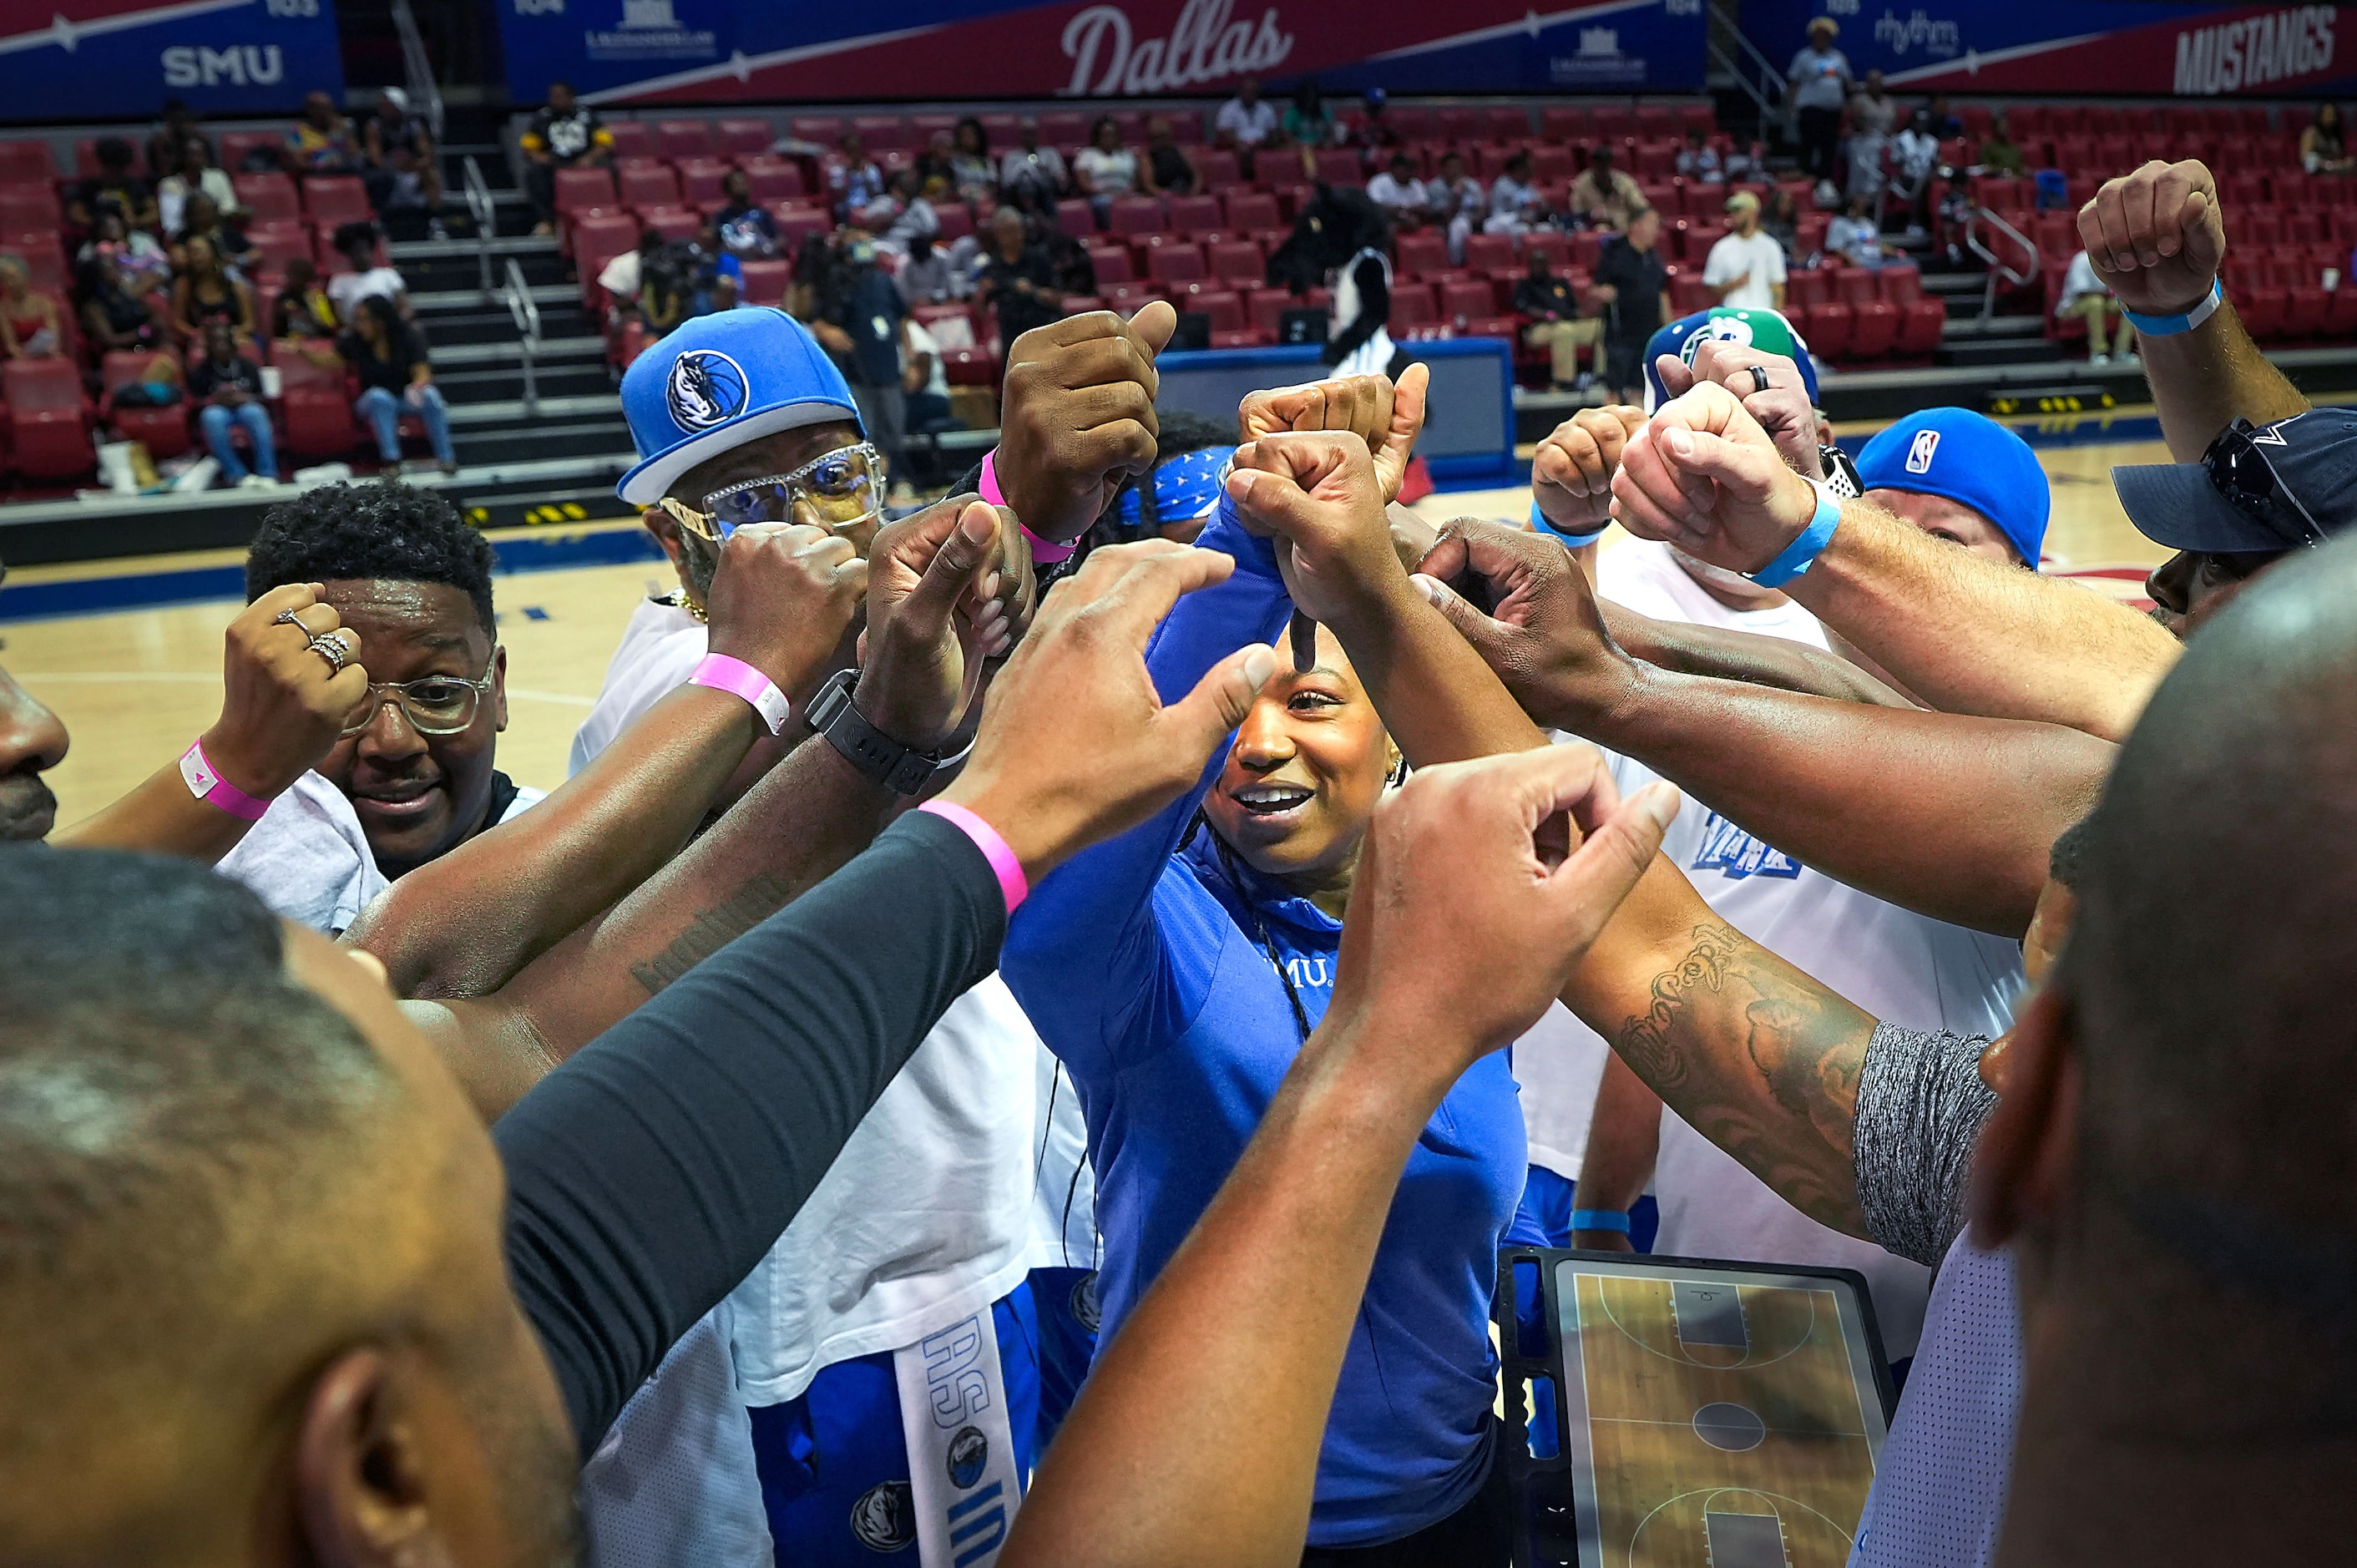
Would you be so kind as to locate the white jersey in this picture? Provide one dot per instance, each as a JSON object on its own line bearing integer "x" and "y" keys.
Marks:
{"x": 1899, "y": 966}
{"x": 309, "y": 860}
{"x": 1373, "y": 357}
{"x": 660, "y": 647}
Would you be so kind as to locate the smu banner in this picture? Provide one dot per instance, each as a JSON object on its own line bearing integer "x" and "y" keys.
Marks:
{"x": 102, "y": 59}
{"x": 719, "y": 52}
{"x": 2073, "y": 45}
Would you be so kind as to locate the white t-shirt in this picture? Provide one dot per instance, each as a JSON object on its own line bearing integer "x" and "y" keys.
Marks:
{"x": 1757, "y": 260}
{"x": 309, "y": 860}
{"x": 660, "y": 647}
{"x": 1110, "y": 173}
{"x": 620, "y": 278}
{"x": 346, "y": 290}
{"x": 1898, "y": 965}
{"x": 922, "y": 341}
{"x": 1249, "y": 126}
{"x": 1558, "y": 1066}
{"x": 2079, "y": 280}
{"x": 1396, "y": 195}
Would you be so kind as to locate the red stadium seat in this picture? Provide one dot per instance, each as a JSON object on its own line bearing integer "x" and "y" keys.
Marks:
{"x": 317, "y": 405}
{"x": 1566, "y": 124}
{"x": 595, "y": 242}
{"x": 673, "y": 222}
{"x": 743, "y": 137}
{"x": 1920, "y": 319}
{"x": 1688, "y": 293}
{"x": 1076, "y": 218}
{"x": 632, "y": 138}
{"x": 1215, "y": 169}
{"x": 1176, "y": 263}
{"x": 2262, "y": 302}
{"x": 1111, "y": 264}
{"x": 1414, "y": 310}
{"x": 956, "y": 220}
{"x": 163, "y": 431}
{"x": 882, "y": 133}
{"x": 821, "y": 130}
{"x": 699, "y": 181}
{"x": 2306, "y": 301}
{"x": 1491, "y": 254}
{"x": 1224, "y": 306}
{"x": 1422, "y": 251}
{"x": 773, "y": 179}
{"x": 1459, "y": 126}
{"x": 1126, "y": 297}
{"x": 28, "y": 161}
{"x": 1826, "y": 326}
{"x": 49, "y": 418}
{"x": 764, "y": 282}
{"x": 29, "y": 207}
{"x": 1508, "y": 123}
{"x": 1135, "y": 215}
{"x": 1697, "y": 237}
{"x": 583, "y": 189}
{"x": 648, "y": 186}
{"x": 281, "y": 243}
{"x": 1238, "y": 262}
{"x": 676, "y": 139}
{"x": 335, "y": 198}
{"x": 1873, "y": 321}
{"x": 1341, "y": 166}
{"x": 1467, "y": 300}
{"x": 267, "y": 196}
{"x": 1250, "y": 212}
{"x": 268, "y": 147}
{"x": 1194, "y": 214}
{"x": 796, "y": 224}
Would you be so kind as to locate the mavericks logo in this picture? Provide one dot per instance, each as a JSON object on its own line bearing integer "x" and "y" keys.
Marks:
{"x": 969, "y": 1453}
{"x": 1735, "y": 329}
{"x": 885, "y": 1517}
{"x": 706, "y": 388}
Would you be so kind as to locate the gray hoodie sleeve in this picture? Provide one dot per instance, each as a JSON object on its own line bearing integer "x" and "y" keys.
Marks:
{"x": 1920, "y": 1103}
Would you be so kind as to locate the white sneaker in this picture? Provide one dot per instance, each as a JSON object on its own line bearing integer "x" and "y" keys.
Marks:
{"x": 257, "y": 482}
{"x": 2099, "y": 358}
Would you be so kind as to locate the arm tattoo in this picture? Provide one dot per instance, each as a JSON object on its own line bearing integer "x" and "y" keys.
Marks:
{"x": 713, "y": 929}
{"x": 1761, "y": 1061}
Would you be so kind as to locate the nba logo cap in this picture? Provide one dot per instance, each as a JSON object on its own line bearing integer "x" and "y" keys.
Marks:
{"x": 1972, "y": 460}
{"x": 2256, "y": 491}
{"x": 718, "y": 381}
{"x": 1766, "y": 330}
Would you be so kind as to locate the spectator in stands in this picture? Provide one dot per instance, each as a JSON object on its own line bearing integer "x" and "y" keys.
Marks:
{"x": 1165, "y": 171}
{"x": 1821, "y": 83}
{"x": 367, "y": 278}
{"x": 1399, "y": 193}
{"x": 1872, "y": 113}
{"x": 743, "y": 227}
{"x": 1781, "y": 221}
{"x": 1375, "y": 131}
{"x": 194, "y": 174}
{"x": 396, "y": 378}
{"x": 1745, "y": 268}
{"x": 926, "y": 277}
{"x": 167, "y": 143}
{"x": 1942, "y": 120}
{"x": 852, "y": 177}
{"x": 1998, "y": 155}
{"x": 1456, "y": 201}
{"x": 29, "y": 318}
{"x": 972, "y": 175}
{"x": 1603, "y": 195}
{"x": 1552, "y": 320}
{"x": 1308, "y": 125}
{"x": 321, "y": 141}
{"x": 1854, "y": 235}
{"x": 1699, "y": 160}
{"x": 2320, "y": 148}
{"x": 113, "y": 189}
{"x": 620, "y": 278}
{"x": 404, "y": 168}
{"x": 935, "y": 177}
{"x": 1244, "y": 125}
{"x": 2085, "y": 296}
{"x": 1032, "y": 176}
{"x": 1631, "y": 289}
{"x": 303, "y": 320}
{"x": 862, "y": 332}
{"x": 1515, "y": 203}
{"x": 1104, "y": 168}
{"x": 925, "y": 382}
{"x": 566, "y": 133}
{"x": 207, "y": 291}
{"x": 145, "y": 264}
{"x": 200, "y": 219}
{"x": 676, "y": 279}
{"x": 1914, "y": 160}
{"x": 1748, "y": 165}
{"x": 115, "y": 315}
{"x": 913, "y": 218}
{"x": 228, "y": 388}
{"x": 1018, "y": 282}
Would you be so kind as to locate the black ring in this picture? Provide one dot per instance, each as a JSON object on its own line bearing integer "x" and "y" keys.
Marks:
{"x": 1759, "y": 377}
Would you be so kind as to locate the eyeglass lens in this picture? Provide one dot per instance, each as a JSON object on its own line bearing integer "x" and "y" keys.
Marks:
{"x": 435, "y": 705}
{"x": 840, "y": 489}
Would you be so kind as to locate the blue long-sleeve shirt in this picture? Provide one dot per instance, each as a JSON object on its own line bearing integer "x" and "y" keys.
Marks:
{"x": 1141, "y": 963}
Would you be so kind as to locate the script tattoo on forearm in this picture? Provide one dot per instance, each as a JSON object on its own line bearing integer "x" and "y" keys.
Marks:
{"x": 713, "y": 929}
{"x": 1762, "y": 1061}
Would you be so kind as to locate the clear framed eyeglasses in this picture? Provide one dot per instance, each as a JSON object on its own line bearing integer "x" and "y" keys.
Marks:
{"x": 433, "y": 705}
{"x": 835, "y": 490}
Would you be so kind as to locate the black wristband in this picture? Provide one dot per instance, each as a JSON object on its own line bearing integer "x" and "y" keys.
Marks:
{"x": 899, "y": 768}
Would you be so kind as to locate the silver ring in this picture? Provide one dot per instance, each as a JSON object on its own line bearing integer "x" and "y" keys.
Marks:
{"x": 287, "y": 618}
{"x": 1759, "y": 377}
{"x": 330, "y": 647}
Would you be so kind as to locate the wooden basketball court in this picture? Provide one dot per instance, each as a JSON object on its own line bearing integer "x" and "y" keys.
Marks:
{"x": 133, "y": 685}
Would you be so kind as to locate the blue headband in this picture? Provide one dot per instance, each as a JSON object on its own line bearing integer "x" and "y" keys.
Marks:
{"x": 1185, "y": 488}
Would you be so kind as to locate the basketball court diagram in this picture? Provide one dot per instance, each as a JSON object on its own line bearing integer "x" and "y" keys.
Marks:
{"x": 1714, "y": 1423}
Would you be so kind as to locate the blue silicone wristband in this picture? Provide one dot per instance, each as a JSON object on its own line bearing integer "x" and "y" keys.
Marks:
{"x": 1599, "y": 1219}
{"x": 1802, "y": 552}
{"x": 2175, "y": 325}
{"x": 1539, "y": 524}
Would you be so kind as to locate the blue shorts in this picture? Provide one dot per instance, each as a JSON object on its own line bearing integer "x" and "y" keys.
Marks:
{"x": 1067, "y": 1303}
{"x": 834, "y": 1462}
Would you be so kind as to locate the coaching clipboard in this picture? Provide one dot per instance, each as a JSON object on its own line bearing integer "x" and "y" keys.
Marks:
{"x": 1705, "y": 1412}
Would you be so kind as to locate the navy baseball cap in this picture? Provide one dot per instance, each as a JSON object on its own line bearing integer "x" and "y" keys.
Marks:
{"x": 1972, "y": 460}
{"x": 1753, "y": 327}
{"x": 2268, "y": 488}
{"x": 718, "y": 381}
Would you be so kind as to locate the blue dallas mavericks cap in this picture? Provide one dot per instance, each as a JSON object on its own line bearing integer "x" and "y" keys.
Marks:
{"x": 1972, "y": 460}
{"x": 1755, "y": 328}
{"x": 718, "y": 381}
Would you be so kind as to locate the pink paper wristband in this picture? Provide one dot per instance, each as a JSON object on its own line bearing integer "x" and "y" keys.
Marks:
{"x": 205, "y": 782}
{"x": 1046, "y": 552}
{"x": 724, "y": 673}
{"x": 1011, "y": 881}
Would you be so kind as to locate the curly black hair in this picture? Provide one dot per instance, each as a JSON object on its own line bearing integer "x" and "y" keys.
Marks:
{"x": 372, "y": 528}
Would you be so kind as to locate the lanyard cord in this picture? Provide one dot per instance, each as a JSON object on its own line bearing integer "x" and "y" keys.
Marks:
{"x": 1260, "y": 931}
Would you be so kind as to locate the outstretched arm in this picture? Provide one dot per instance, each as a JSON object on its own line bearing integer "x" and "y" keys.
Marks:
{"x": 1947, "y": 815}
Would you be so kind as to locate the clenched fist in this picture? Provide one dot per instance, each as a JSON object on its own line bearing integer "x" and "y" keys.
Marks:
{"x": 1078, "y": 417}
{"x": 2155, "y": 237}
{"x": 1571, "y": 472}
{"x": 283, "y": 703}
{"x": 1387, "y": 418}
{"x": 782, "y": 597}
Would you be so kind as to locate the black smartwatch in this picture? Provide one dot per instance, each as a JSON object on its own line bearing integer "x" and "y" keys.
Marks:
{"x": 1841, "y": 473}
{"x": 903, "y": 769}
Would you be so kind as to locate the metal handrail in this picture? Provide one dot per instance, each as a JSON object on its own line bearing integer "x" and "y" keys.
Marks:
{"x": 1768, "y": 92}
{"x": 417, "y": 69}
{"x": 1976, "y": 214}
{"x": 526, "y": 312}
{"x": 479, "y": 208}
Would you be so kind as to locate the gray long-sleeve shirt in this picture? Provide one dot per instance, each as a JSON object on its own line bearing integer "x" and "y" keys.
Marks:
{"x": 1820, "y": 80}
{"x": 1921, "y": 1104}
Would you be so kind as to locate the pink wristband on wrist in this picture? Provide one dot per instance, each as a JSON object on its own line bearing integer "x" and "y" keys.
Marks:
{"x": 1046, "y": 552}
{"x": 723, "y": 673}
{"x": 205, "y": 782}
{"x": 1011, "y": 880}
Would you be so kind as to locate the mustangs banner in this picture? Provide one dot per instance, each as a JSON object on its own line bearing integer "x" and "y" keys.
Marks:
{"x": 2072, "y": 46}
{"x": 722, "y": 51}
{"x": 110, "y": 60}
